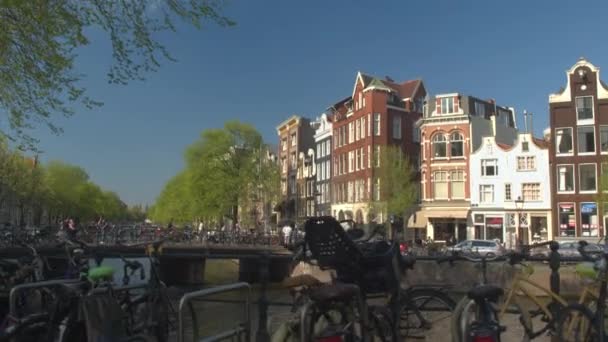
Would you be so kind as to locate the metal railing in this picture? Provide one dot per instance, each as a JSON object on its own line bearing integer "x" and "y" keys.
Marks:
{"x": 18, "y": 289}
{"x": 242, "y": 329}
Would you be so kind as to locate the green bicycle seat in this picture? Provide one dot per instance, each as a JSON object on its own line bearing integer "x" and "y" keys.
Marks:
{"x": 586, "y": 270}
{"x": 101, "y": 273}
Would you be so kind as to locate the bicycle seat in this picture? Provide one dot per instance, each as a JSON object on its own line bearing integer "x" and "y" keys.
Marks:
{"x": 485, "y": 292}
{"x": 334, "y": 292}
{"x": 101, "y": 273}
{"x": 301, "y": 280}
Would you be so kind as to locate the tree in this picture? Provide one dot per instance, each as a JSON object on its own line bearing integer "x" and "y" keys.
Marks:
{"x": 39, "y": 40}
{"x": 398, "y": 186}
{"x": 229, "y": 173}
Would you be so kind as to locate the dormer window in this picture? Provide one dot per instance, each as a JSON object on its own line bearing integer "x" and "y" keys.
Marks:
{"x": 446, "y": 106}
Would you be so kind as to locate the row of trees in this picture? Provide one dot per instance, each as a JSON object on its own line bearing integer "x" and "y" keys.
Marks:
{"x": 33, "y": 193}
{"x": 229, "y": 174}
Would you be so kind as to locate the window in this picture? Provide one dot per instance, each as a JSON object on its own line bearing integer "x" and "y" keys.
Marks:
{"x": 565, "y": 178}
{"x": 447, "y": 105}
{"x": 525, "y": 147}
{"x": 293, "y": 160}
{"x": 351, "y": 133}
{"x": 508, "y": 192}
{"x": 586, "y": 139}
{"x": 284, "y": 144}
{"x": 589, "y": 220}
{"x": 489, "y": 167}
{"x": 584, "y": 107}
{"x": 604, "y": 139}
{"x": 415, "y": 133}
{"x": 457, "y": 184}
{"x": 456, "y": 145}
{"x": 486, "y": 193}
{"x": 369, "y": 125}
{"x": 567, "y": 220}
{"x": 439, "y": 146}
{"x": 530, "y": 191}
{"x": 357, "y": 129}
{"x": 377, "y": 156}
{"x": 376, "y": 189}
{"x": 318, "y": 150}
{"x": 440, "y": 185}
{"x": 293, "y": 139}
{"x": 362, "y": 158}
{"x": 284, "y": 164}
{"x": 358, "y": 160}
{"x": 328, "y": 168}
{"x": 350, "y": 161}
{"x": 369, "y": 156}
{"x": 480, "y": 109}
{"x": 396, "y": 127}
{"x": 363, "y": 127}
{"x": 563, "y": 140}
{"x": 526, "y": 163}
{"x": 377, "y": 124}
{"x": 587, "y": 177}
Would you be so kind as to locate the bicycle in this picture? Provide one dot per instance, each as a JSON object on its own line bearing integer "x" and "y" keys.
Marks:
{"x": 586, "y": 322}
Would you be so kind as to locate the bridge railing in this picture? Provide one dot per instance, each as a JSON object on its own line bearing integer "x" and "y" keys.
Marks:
{"x": 240, "y": 331}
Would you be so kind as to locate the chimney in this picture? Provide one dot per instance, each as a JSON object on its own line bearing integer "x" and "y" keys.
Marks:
{"x": 525, "y": 121}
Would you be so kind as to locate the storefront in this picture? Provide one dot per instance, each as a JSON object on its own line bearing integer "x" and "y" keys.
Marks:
{"x": 489, "y": 226}
{"x": 567, "y": 220}
{"x": 589, "y": 219}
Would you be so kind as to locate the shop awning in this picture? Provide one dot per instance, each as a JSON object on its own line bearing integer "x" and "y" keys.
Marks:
{"x": 439, "y": 214}
{"x": 417, "y": 220}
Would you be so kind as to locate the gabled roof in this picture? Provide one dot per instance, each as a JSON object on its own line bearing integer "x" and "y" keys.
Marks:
{"x": 542, "y": 143}
{"x": 404, "y": 90}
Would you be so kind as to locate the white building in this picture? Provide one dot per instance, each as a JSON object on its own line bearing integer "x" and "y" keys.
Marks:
{"x": 323, "y": 139}
{"x": 511, "y": 184}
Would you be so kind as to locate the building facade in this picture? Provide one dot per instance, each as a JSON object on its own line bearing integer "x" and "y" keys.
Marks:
{"x": 511, "y": 191}
{"x": 295, "y": 136}
{"x": 453, "y": 126}
{"x": 579, "y": 135}
{"x": 323, "y": 142}
{"x": 306, "y": 185}
{"x": 380, "y": 112}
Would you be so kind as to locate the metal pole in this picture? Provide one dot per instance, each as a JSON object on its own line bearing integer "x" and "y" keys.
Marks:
{"x": 262, "y": 334}
{"x": 554, "y": 280}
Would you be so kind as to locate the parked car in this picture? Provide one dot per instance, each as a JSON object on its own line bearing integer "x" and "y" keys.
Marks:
{"x": 567, "y": 249}
{"x": 488, "y": 248}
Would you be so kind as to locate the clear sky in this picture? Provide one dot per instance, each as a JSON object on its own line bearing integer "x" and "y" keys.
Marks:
{"x": 287, "y": 57}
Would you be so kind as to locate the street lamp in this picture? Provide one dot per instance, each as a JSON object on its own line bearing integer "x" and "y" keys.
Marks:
{"x": 519, "y": 205}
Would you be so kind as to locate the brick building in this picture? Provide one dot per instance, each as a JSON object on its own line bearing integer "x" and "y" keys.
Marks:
{"x": 579, "y": 134}
{"x": 452, "y": 127}
{"x": 379, "y": 112}
{"x": 295, "y": 137}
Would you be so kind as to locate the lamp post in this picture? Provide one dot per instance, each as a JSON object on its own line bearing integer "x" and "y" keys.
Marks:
{"x": 519, "y": 204}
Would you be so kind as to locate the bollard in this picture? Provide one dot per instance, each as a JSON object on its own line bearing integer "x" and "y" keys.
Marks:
{"x": 554, "y": 280}
{"x": 262, "y": 334}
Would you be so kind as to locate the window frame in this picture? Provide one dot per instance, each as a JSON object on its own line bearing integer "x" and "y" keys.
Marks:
{"x": 443, "y": 106}
{"x": 526, "y": 160}
{"x": 461, "y": 141}
{"x": 600, "y": 129}
{"x": 578, "y": 140}
{"x": 377, "y": 131}
{"x": 571, "y": 153}
{"x": 573, "y": 179}
{"x": 540, "y": 197}
{"x": 510, "y": 192}
{"x": 451, "y": 181}
{"x": 481, "y": 192}
{"x": 597, "y": 210}
{"x": 587, "y": 121}
{"x": 559, "y": 213}
{"x": 443, "y": 181}
{"x": 396, "y": 134}
{"x": 484, "y": 165}
{"x": 581, "y": 191}
{"x": 444, "y": 142}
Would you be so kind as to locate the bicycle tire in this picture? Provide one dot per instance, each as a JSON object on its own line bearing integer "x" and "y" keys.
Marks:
{"x": 382, "y": 323}
{"x": 410, "y": 325}
{"x": 573, "y": 318}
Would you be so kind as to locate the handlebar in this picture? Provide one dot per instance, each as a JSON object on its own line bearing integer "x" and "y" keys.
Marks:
{"x": 132, "y": 265}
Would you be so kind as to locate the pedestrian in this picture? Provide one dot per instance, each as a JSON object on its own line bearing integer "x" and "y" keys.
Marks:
{"x": 71, "y": 229}
{"x": 286, "y": 234}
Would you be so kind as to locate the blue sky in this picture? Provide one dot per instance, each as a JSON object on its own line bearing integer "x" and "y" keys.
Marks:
{"x": 287, "y": 57}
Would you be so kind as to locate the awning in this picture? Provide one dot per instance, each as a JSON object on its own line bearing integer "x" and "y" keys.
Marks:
{"x": 439, "y": 214}
{"x": 417, "y": 220}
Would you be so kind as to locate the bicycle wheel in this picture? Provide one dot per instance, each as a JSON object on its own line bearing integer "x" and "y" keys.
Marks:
{"x": 423, "y": 310}
{"x": 381, "y": 321}
{"x": 576, "y": 323}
